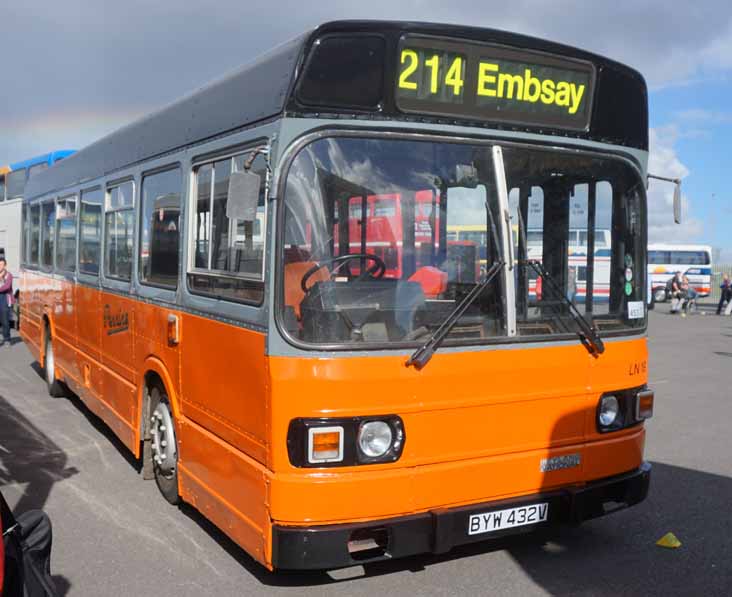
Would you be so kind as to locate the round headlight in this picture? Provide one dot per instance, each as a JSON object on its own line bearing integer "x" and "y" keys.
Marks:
{"x": 609, "y": 409}
{"x": 374, "y": 438}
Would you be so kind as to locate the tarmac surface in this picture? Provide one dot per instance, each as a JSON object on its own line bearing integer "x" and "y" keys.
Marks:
{"x": 115, "y": 535}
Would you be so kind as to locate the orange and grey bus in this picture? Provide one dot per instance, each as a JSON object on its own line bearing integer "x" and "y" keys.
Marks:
{"x": 203, "y": 280}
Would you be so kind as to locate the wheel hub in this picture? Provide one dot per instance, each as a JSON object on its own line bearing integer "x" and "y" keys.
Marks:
{"x": 163, "y": 440}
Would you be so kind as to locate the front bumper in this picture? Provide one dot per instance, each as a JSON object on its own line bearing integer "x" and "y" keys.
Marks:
{"x": 326, "y": 546}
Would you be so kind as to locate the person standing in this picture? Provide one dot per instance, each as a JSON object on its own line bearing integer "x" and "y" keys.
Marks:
{"x": 726, "y": 294}
{"x": 6, "y": 301}
{"x": 677, "y": 293}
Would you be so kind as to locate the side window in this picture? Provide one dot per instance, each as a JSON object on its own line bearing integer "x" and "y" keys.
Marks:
{"x": 160, "y": 231}
{"x": 37, "y": 168}
{"x": 229, "y": 253}
{"x": 90, "y": 231}
{"x": 35, "y": 234}
{"x": 48, "y": 219}
{"x": 66, "y": 234}
{"x": 24, "y": 233}
{"x": 15, "y": 181}
{"x": 2, "y": 187}
{"x": 119, "y": 231}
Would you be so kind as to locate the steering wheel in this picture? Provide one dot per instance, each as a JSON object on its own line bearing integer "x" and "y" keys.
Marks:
{"x": 376, "y": 271}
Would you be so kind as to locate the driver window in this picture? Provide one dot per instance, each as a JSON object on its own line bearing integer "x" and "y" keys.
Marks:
{"x": 383, "y": 238}
{"x": 227, "y": 254}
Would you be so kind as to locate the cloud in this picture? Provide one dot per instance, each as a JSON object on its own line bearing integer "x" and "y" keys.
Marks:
{"x": 114, "y": 60}
{"x": 664, "y": 161}
{"x": 702, "y": 116}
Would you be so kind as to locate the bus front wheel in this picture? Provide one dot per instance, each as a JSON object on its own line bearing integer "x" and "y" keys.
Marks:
{"x": 164, "y": 445}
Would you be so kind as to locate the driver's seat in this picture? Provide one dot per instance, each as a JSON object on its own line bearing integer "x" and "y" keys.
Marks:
{"x": 293, "y": 277}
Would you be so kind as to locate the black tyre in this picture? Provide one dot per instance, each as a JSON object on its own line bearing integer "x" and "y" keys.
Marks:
{"x": 164, "y": 451}
{"x": 56, "y": 388}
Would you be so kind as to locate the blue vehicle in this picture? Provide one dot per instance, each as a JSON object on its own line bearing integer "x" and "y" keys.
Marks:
{"x": 20, "y": 172}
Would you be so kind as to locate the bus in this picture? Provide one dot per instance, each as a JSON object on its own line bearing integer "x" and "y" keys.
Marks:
{"x": 319, "y": 411}
{"x": 694, "y": 261}
{"x": 377, "y": 222}
{"x": 12, "y": 186}
{"x": 577, "y": 262}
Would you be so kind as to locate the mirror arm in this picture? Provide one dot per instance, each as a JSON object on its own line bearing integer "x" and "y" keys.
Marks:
{"x": 261, "y": 150}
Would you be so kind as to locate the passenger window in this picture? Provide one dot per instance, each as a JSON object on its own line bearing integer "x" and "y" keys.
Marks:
{"x": 24, "y": 233}
{"x": 35, "y": 233}
{"x": 119, "y": 231}
{"x": 160, "y": 232}
{"x": 15, "y": 181}
{"x": 204, "y": 182}
{"x": 37, "y": 169}
{"x": 229, "y": 254}
{"x": 90, "y": 231}
{"x": 48, "y": 218}
{"x": 66, "y": 234}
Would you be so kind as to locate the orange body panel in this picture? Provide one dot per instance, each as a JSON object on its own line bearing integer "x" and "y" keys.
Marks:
{"x": 216, "y": 379}
{"x": 224, "y": 383}
{"x": 477, "y": 423}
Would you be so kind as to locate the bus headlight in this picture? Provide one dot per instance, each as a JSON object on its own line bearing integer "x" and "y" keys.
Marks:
{"x": 345, "y": 441}
{"x": 609, "y": 411}
{"x": 620, "y": 409}
{"x": 374, "y": 438}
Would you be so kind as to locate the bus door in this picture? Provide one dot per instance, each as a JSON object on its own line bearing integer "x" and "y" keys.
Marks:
{"x": 227, "y": 396}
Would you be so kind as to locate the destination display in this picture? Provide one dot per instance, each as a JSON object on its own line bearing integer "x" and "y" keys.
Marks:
{"x": 493, "y": 83}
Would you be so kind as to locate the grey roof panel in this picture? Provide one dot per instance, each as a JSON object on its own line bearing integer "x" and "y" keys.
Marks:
{"x": 266, "y": 88}
{"x": 250, "y": 94}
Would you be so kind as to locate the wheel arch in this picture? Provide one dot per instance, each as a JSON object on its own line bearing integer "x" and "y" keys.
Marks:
{"x": 48, "y": 326}
{"x": 154, "y": 370}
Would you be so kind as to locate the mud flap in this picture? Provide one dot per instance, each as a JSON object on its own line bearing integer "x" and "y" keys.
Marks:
{"x": 147, "y": 461}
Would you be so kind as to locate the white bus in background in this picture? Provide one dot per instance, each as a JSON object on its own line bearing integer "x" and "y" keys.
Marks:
{"x": 577, "y": 261}
{"x": 695, "y": 261}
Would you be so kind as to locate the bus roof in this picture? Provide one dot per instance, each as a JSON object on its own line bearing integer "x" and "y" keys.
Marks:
{"x": 46, "y": 158}
{"x": 313, "y": 74}
{"x": 678, "y": 247}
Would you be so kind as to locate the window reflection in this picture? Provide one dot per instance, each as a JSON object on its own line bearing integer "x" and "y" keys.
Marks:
{"x": 395, "y": 265}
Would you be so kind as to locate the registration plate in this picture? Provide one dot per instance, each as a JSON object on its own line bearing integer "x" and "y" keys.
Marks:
{"x": 506, "y": 519}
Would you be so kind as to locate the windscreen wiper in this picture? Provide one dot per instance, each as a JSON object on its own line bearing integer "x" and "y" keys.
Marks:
{"x": 587, "y": 333}
{"x": 424, "y": 353}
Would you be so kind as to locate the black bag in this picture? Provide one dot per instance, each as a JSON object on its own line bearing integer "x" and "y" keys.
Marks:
{"x": 27, "y": 542}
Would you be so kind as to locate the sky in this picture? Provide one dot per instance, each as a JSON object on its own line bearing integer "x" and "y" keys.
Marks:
{"x": 77, "y": 70}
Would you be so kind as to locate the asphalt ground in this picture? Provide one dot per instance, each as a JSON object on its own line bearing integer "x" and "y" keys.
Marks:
{"x": 115, "y": 535}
